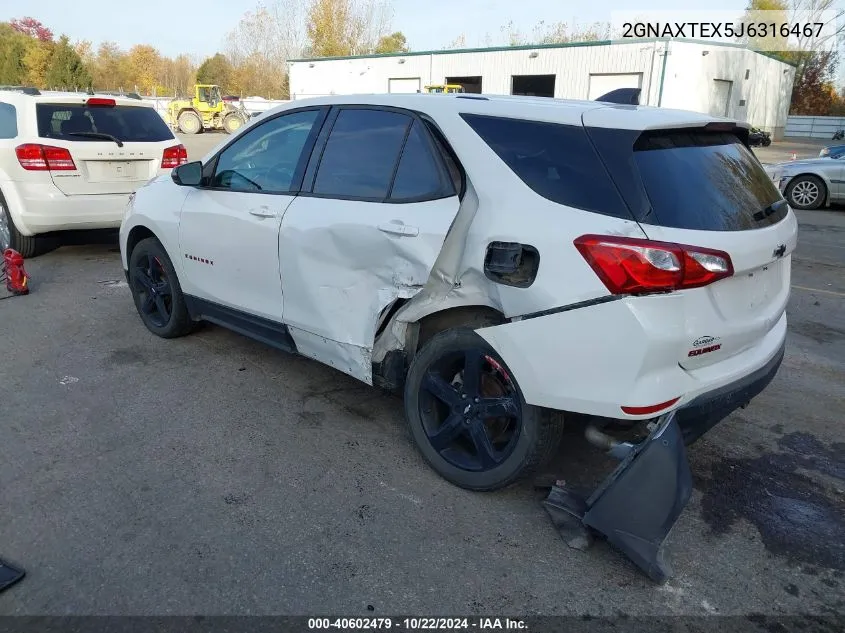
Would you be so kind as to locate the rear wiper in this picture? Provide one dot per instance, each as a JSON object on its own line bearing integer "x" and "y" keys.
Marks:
{"x": 102, "y": 135}
{"x": 772, "y": 208}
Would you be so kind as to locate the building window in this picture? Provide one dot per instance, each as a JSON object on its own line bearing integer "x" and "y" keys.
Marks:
{"x": 747, "y": 73}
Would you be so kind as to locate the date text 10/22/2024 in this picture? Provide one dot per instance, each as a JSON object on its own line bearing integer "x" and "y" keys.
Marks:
{"x": 417, "y": 624}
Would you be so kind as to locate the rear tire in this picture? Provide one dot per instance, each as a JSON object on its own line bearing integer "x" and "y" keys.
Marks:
{"x": 806, "y": 192}
{"x": 462, "y": 442}
{"x": 190, "y": 122}
{"x": 156, "y": 291}
{"x": 10, "y": 237}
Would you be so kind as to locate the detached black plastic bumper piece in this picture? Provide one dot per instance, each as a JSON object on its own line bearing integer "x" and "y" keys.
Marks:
{"x": 637, "y": 505}
{"x": 9, "y": 575}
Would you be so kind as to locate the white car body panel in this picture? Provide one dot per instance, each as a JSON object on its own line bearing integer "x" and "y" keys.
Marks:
{"x": 339, "y": 273}
{"x": 244, "y": 277}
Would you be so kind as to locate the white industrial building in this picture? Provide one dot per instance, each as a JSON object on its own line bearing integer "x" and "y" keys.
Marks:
{"x": 711, "y": 77}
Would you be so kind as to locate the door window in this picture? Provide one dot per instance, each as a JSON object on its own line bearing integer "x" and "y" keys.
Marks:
{"x": 360, "y": 157}
{"x": 266, "y": 158}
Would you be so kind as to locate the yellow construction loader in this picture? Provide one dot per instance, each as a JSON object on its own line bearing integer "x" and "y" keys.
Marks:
{"x": 206, "y": 110}
{"x": 445, "y": 89}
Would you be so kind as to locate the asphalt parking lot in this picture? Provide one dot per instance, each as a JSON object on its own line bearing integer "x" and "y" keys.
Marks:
{"x": 212, "y": 475}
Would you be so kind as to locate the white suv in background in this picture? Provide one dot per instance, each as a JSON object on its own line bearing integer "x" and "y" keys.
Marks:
{"x": 502, "y": 260}
{"x": 70, "y": 161}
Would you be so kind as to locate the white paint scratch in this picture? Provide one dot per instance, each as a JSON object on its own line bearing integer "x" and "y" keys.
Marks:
{"x": 402, "y": 495}
{"x": 68, "y": 380}
{"x": 708, "y": 607}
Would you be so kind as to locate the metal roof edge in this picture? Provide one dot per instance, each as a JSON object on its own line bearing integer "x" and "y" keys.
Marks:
{"x": 528, "y": 47}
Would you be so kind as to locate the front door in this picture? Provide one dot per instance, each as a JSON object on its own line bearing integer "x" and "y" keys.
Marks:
{"x": 229, "y": 228}
{"x": 364, "y": 234}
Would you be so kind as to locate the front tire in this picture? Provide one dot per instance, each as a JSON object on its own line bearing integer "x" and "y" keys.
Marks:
{"x": 156, "y": 291}
{"x": 806, "y": 192}
{"x": 467, "y": 415}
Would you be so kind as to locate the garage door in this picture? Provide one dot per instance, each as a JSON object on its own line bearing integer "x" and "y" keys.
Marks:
{"x": 403, "y": 85}
{"x": 720, "y": 97}
{"x": 603, "y": 83}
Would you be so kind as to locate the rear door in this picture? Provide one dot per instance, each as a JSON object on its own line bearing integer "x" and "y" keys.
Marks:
{"x": 365, "y": 232}
{"x": 706, "y": 189}
{"x": 104, "y": 166}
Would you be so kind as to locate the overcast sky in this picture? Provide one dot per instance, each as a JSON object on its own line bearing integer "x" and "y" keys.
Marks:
{"x": 175, "y": 27}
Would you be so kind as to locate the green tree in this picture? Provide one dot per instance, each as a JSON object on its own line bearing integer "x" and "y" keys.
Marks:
{"x": 393, "y": 43}
{"x": 66, "y": 68}
{"x": 777, "y": 11}
{"x": 215, "y": 70}
{"x": 336, "y": 28}
{"x": 13, "y": 48}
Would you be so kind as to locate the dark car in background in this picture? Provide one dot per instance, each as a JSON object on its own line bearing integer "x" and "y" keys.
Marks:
{"x": 757, "y": 137}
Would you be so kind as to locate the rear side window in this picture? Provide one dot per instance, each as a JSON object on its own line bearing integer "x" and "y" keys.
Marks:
{"x": 419, "y": 174}
{"x": 8, "y": 121}
{"x": 361, "y": 154}
{"x": 71, "y": 122}
{"x": 556, "y": 161}
{"x": 691, "y": 179}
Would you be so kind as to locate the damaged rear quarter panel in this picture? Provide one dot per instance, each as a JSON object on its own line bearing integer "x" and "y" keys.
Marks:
{"x": 498, "y": 206}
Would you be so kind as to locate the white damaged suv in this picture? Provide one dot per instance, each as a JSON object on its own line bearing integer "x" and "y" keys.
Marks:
{"x": 503, "y": 260}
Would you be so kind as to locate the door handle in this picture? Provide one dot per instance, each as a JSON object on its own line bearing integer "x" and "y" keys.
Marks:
{"x": 262, "y": 212}
{"x": 395, "y": 228}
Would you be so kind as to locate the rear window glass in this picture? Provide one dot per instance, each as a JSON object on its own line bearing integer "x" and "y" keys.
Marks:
{"x": 8, "y": 121}
{"x": 134, "y": 124}
{"x": 704, "y": 181}
{"x": 418, "y": 174}
{"x": 556, "y": 161}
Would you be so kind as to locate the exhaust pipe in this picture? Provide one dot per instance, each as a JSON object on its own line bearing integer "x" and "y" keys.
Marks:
{"x": 605, "y": 442}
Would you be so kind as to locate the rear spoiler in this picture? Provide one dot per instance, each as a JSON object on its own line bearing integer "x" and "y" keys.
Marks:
{"x": 623, "y": 96}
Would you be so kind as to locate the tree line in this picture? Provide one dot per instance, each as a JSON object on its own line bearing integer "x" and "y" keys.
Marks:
{"x": 254, "y": 54}
{"x": 815, "y": 56}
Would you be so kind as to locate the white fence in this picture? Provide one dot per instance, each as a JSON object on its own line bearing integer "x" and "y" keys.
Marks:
{"x": 813, "y": 126}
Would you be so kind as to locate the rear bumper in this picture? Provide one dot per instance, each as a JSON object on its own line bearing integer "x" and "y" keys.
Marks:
{"x": 595, "y": 360}
{"x": 707, "y": 410}
{"x": 42, "y": 207}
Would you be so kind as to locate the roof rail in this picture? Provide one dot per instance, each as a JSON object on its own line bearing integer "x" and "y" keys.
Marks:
{"x": 128, "y": 95}
{"x": 24, "y": 89}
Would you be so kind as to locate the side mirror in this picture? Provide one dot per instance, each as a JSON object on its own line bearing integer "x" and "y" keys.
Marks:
{"x": 188, "y": 175}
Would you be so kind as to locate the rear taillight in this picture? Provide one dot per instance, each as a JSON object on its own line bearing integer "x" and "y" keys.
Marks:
{"x": 631, "y": 266}
{"x": 34, "y": 157}
{"x": 174, "y": 156}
